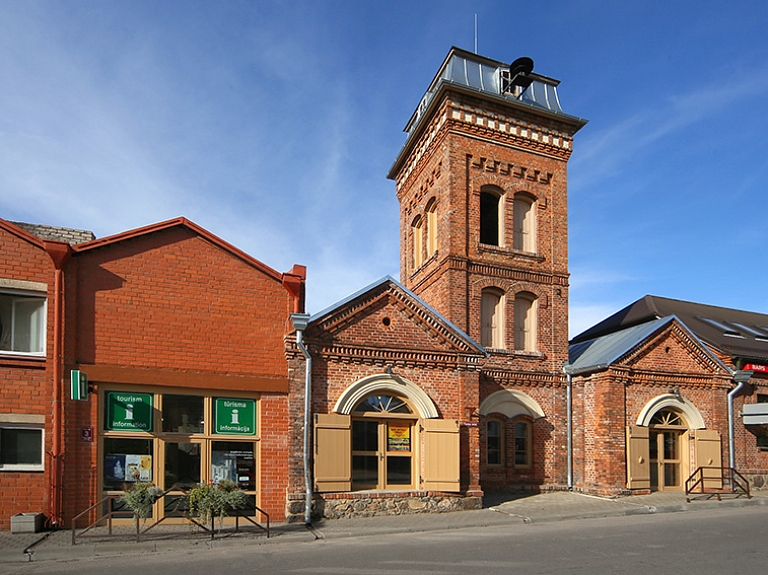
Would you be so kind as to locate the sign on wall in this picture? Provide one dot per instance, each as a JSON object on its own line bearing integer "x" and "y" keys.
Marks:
{"x": 128, "y": 411}
{"x": 235, "y": 416}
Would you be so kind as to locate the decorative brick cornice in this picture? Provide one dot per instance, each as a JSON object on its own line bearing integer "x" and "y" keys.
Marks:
{"x": 383, "y": 357}
{"x": 504, "y": 168}
{"x": 525, "y": 378}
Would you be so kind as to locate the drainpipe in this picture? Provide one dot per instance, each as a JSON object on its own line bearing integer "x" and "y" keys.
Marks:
{"x": 569, "y": 409}
{"x": 740, "y": 377}
{"x": 300, "y": 321}
{"x": 60, "y": 253}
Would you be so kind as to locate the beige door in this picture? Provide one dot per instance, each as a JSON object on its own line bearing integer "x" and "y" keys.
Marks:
{"x": 382, "y": 454}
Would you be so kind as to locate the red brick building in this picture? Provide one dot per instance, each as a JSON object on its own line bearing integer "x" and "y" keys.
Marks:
{"x": 181, "y": 337}
{"x": 482, "y": 185}
{"x": 664, "y": 387}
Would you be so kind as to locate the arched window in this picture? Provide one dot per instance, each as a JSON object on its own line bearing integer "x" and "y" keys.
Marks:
{"x": 491, "y": 225}
{"x": 523, "y": 443}
{"x": 494, "y": 449}
{"x": 417, "y": 242}
{"x": 525, "y": 321}
{"x": 525, "y": 224}
{"x": 431, "y": 227}
{"x": 492, "y": 319}
{"x": 382, "y": 443}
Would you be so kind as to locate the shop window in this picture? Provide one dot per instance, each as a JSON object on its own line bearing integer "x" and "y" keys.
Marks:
{"x": 525, "y": 224}
{"x": 183, "y": 414}
{"x": 490, "y": 218}
{"x": 21, "y": 448}
{"x": 418, "y": 243}
{"x": 522, "y": 444}
{"x": 22, "y": 323}
{"x": 431, "y": 227}
{"x": 525, "y": 322}
{"x": 494, "y": 442}
{"x": 492, "y": 319}
{"x": 176, "y": 441}
{"x": 126, "y": 461}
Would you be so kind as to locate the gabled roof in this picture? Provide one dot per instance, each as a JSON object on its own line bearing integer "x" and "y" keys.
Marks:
{"x": 184, "y": 223}
{"x": 599, "y": 353}
{"x": 738, "y": 333}
{"x": 389, "y": 280}
{"x": 18, "y": 231}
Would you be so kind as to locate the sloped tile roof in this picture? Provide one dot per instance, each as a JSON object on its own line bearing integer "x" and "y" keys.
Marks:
{"x": 54, "y": 233}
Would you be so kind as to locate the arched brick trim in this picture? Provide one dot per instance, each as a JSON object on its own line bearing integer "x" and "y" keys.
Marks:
{"x": 533, "y": 288}
{"x": 511, "y": 403}
{"x": 688, "y": 410}
{"x": 383, "y": 382}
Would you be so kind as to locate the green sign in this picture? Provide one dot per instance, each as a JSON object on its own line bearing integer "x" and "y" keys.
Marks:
{"x": 128, "y": 411}
{"x": 235, "y": 416}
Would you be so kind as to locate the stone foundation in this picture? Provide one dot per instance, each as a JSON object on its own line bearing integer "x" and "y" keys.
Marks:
{"x": 370, "y": 504}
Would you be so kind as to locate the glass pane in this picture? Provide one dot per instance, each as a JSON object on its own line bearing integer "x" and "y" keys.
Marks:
{"x": 382, "y": 404}
{"x": 365, "y": 436}
{"x": 182, "y": 464}
{"x": 398, "y": 470}
{"x": 670, "y": 445}
{"x": 26, "y": 327}
{"x": 521, "y": 444}
{"x": 494, "y": 443}
{"x": 670, "y": 474}
{"x": 235, "y": 461}
{"x": 125, "y": 461}
{"x": 365, "y": 470}
{"x": 183, "y": 414}
{"x": 653, "y": 446}
{"x": 21, "y": 446}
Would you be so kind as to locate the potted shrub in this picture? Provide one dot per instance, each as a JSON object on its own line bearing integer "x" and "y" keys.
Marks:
{"x": 215, "y": 500}
{"x": 140, "y": 497}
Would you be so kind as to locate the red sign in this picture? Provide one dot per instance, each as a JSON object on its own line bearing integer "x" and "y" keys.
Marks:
{"x": 755, "y": 367}
{"x": 86, "y": 434}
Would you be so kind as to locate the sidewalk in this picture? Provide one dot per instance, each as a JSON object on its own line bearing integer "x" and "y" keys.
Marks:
{"x": 501, "y": 509}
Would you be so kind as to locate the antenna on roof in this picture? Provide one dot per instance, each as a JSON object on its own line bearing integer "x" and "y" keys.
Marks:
{"x": 475, "y": 32}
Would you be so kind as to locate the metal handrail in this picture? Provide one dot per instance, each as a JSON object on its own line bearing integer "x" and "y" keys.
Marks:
{"x": 727, "y": 476}
{"x": 111, "y": 513}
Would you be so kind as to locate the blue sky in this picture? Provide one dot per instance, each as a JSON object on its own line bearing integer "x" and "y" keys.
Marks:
{"x": 274, "y": 124}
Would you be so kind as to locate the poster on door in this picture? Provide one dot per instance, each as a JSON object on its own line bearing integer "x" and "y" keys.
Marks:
{"x": 398, "y": 437}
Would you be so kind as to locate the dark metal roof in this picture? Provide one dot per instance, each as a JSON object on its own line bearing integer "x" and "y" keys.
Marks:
{"x": 737, "y": 333}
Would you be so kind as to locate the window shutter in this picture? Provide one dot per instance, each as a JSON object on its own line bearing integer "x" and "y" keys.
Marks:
{"x": 441, "y": 454}
{"x": 333, "y": 455}
{"x": 638, "y": 466}
{"x": 708, "y": 454}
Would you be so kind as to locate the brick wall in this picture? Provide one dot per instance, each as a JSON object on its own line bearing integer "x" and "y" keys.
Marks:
{"x": 27, "y": 386}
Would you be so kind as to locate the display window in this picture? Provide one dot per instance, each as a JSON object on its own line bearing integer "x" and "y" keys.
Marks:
{"x": 176, "y": 441}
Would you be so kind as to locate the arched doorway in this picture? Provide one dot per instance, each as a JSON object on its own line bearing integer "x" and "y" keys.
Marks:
{"x": 667, "y": 450}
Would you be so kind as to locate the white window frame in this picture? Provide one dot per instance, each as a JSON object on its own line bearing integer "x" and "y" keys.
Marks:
{"x": 24, "y": 466}
{"x": 8, "y": 332}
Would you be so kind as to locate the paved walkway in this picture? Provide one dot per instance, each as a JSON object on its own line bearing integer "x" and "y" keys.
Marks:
{"x": 501, "y": 509}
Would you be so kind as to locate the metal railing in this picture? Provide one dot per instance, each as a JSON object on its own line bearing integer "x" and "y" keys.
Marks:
{"x": 715, "y": 481}
{"x": 179, "y": 510}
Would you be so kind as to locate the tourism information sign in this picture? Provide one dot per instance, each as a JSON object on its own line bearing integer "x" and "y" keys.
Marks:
{"x": 127, "y": 411}
{"x": 235, "y": 416}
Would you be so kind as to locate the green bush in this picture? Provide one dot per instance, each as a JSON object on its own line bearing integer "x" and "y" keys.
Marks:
{"x": 209, "y": 500}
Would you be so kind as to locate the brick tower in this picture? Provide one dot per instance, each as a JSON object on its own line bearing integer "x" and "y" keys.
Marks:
{"x": 482, "y": 186}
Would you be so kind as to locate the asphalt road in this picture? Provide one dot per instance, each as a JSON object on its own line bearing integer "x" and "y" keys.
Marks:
{"x": 713, "y": 542}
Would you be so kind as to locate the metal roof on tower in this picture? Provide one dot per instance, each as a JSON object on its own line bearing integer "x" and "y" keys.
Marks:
{"x": 512, "y": 84}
